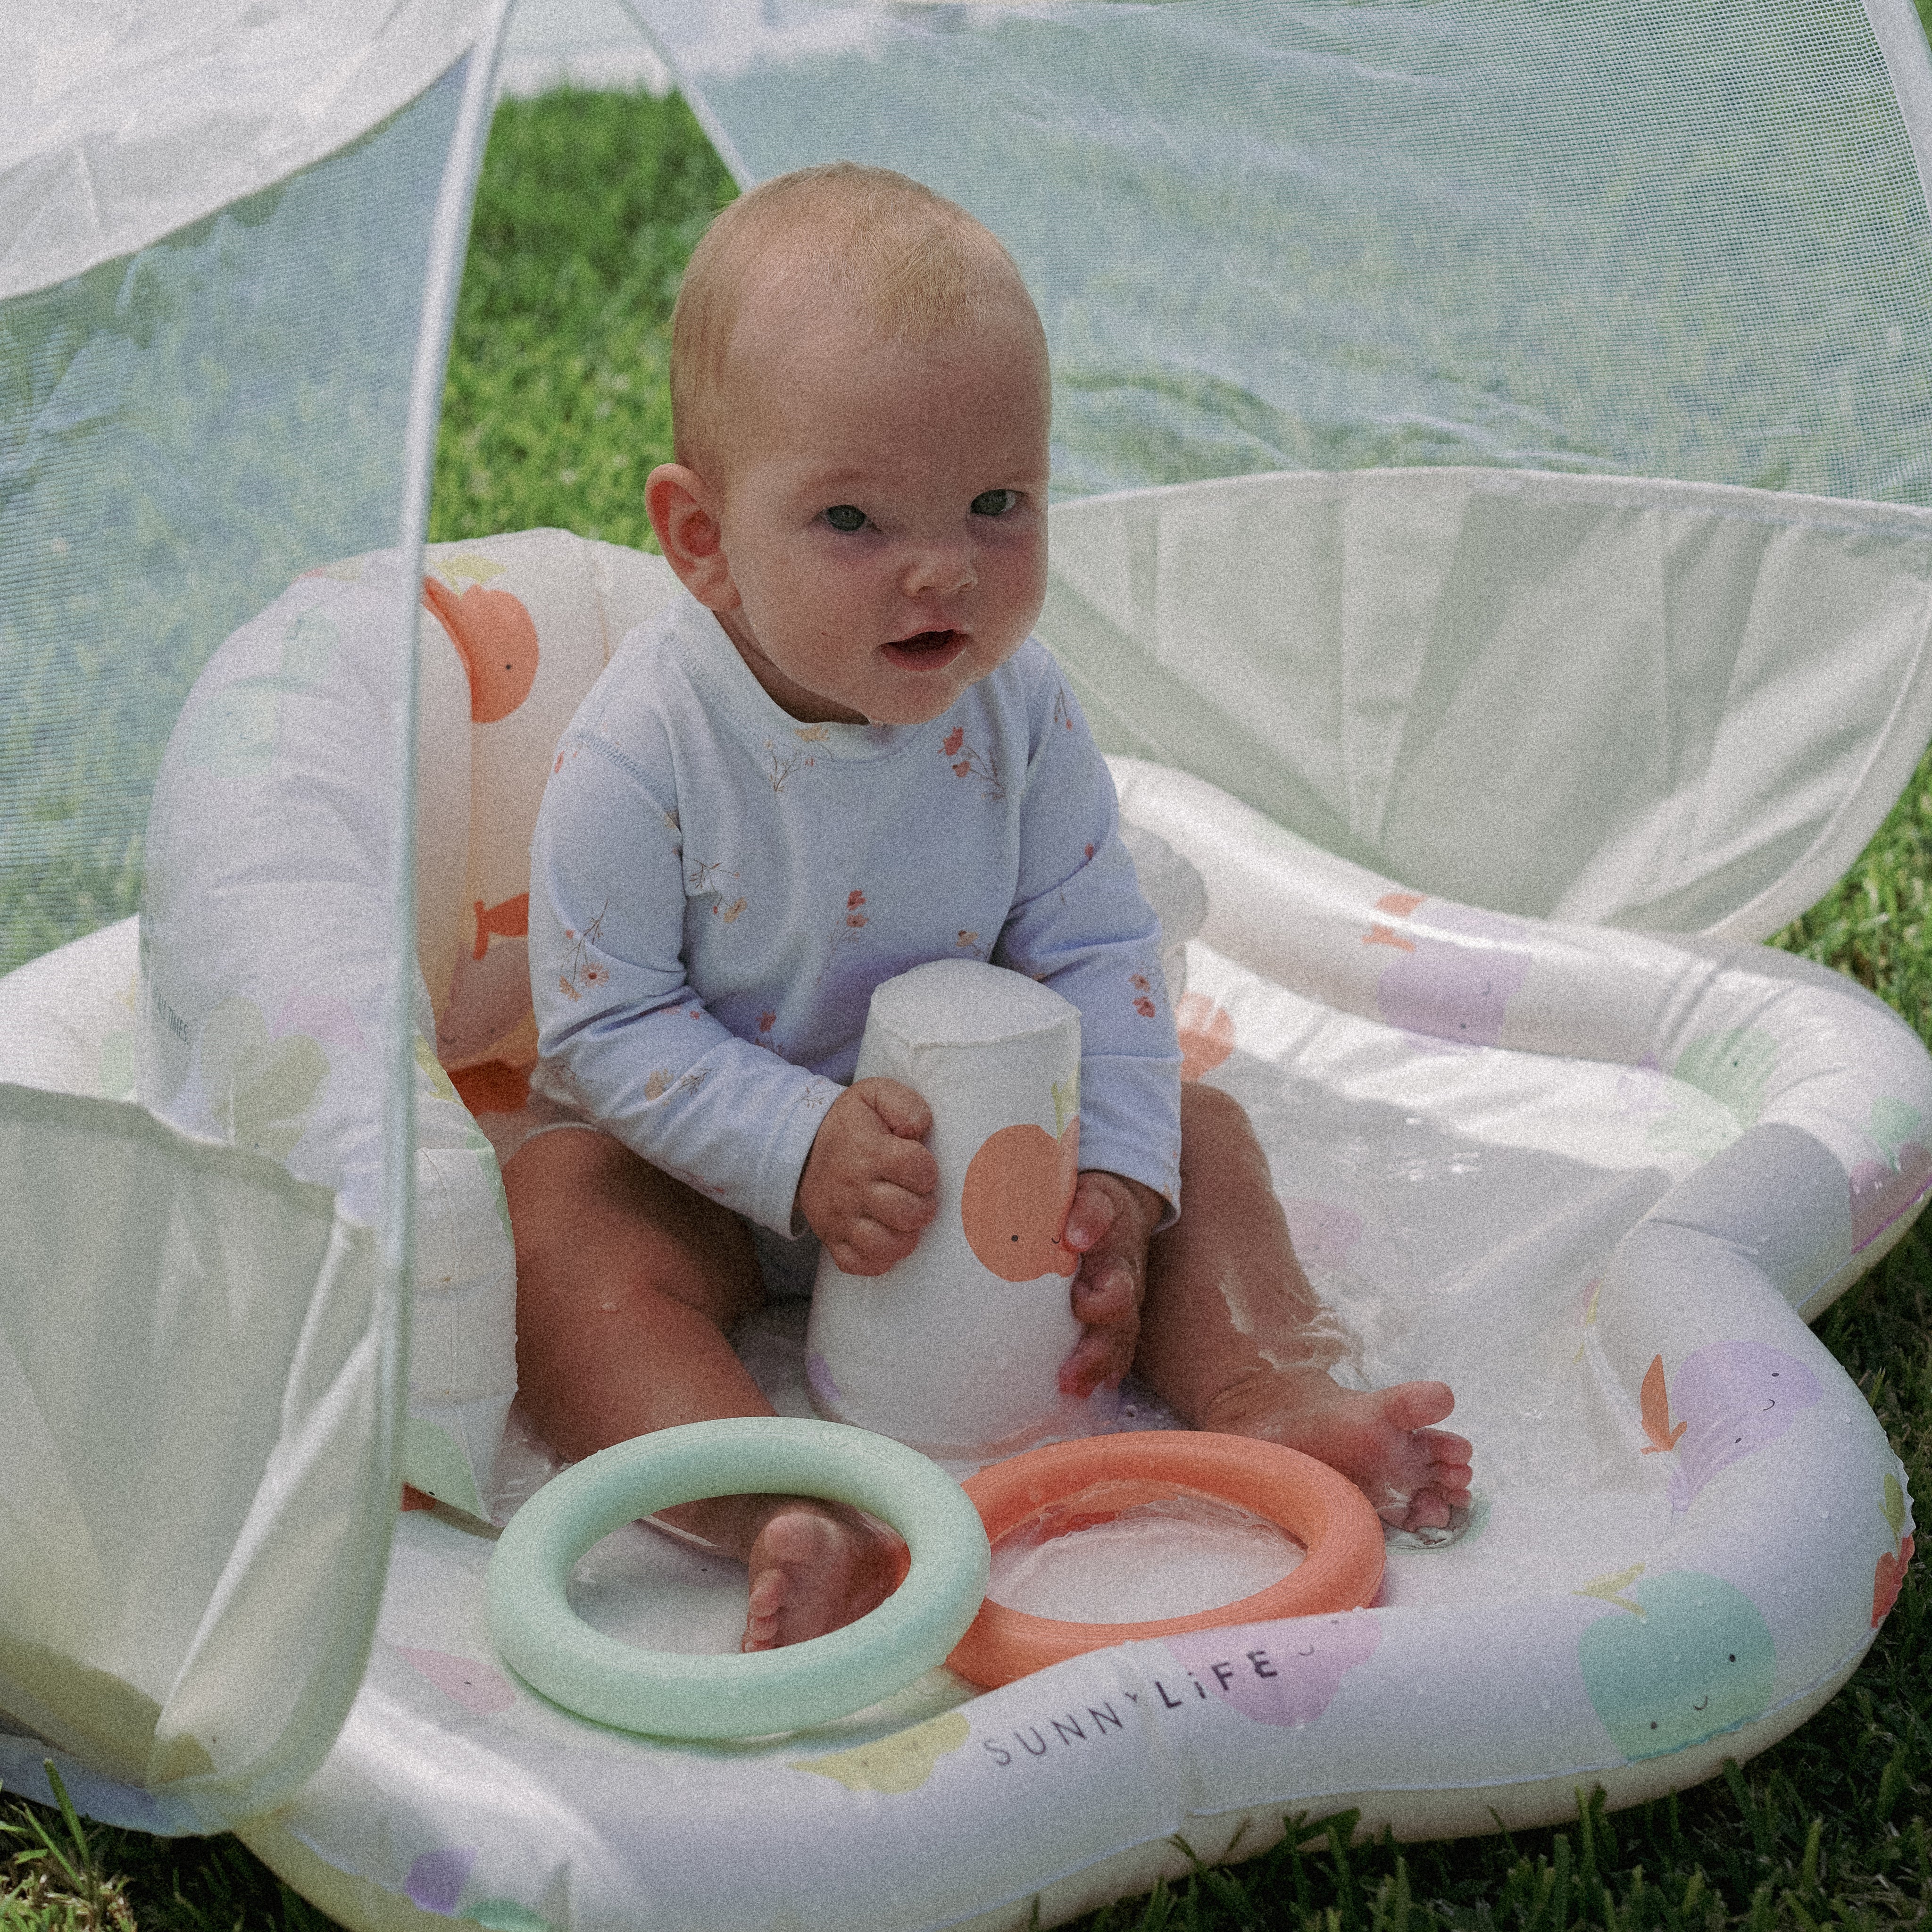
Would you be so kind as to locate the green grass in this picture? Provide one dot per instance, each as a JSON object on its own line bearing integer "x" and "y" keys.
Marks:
{"x": 1872, "y": 924}
{"x": 58, "y": 1875}
{"x": 556, "y": 408}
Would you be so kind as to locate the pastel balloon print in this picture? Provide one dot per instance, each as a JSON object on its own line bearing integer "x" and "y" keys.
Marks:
{"x": 260, "y": 1091}
{"x": 1324, "y": 1232}
{"x": 1281, "y": 1673}
{"x": 436, "y": 1879}
{"x": 1013, "y": 1203}
{"x": 1881, "y": 1193}
{"x": 476, "y": 1686}
{"x": 1444, "y": 988}
{"x": 895, "y": 1765}
{"x": 496, "y": 639}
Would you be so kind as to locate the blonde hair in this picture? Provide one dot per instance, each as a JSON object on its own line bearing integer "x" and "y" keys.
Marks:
{"x": 918, "y": 264}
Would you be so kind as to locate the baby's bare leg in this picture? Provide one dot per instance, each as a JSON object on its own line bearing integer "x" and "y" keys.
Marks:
{"x": 1229, "y": 1337}
{"x": 628, "y": 1285}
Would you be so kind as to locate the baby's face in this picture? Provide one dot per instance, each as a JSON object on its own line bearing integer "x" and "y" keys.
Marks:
{"x": 884, "y": 519}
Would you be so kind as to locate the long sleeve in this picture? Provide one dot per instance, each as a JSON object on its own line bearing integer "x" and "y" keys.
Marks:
{"x": 1080, "y": 924}
{"x": 619, "y": 1023}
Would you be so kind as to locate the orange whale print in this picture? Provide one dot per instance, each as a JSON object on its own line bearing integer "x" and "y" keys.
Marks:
{"x": 1379, "y": 934}
{"x": 1654, "y": 1404}
{"x": 491, "y": 1086}
{"x": 1207, "y": 1035}
{"x": 1014, "y": 1202}
{"x": 510, "y": 920}
{"x": 496, "y": 641}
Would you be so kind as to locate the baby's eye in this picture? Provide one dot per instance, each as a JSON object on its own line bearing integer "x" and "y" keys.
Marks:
{"x": 995, "y": 502}
{"x": 845, "y": 517}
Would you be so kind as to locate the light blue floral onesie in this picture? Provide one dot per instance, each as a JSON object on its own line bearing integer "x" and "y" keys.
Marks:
{"x": 716, "y": 889}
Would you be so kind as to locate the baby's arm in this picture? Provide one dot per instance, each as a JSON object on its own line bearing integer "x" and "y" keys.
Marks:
{"x": 1078, "y": 922}
{"x": 867, "y": 1189}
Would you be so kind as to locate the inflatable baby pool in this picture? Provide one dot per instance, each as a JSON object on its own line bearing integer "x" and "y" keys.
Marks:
{"x": 1596, "y": 1179}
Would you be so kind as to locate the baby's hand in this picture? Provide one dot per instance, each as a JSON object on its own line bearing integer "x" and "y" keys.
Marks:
{"x": 1108, "y": 1225}
{"x": 867, "y": 1189}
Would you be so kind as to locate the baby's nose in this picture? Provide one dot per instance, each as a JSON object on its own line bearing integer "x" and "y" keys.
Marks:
{"x": 940, "y": 570}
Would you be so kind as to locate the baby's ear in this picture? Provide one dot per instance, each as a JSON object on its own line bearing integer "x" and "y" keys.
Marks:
{"x": 684, "y": 513}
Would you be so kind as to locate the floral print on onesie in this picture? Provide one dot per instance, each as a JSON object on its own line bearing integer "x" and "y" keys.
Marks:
{"x": 716, "y": 889}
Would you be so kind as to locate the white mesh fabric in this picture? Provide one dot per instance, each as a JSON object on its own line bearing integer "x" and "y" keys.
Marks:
{"x": 184, "y": 429}
{"x": 1667, "y": 706}
{"x": 182, "y": 432}
{"x": 1685, "y": 242}
{"x": 125, "y": 122}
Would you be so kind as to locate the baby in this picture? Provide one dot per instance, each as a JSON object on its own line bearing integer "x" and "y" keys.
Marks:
{"x": 840, "y": 755}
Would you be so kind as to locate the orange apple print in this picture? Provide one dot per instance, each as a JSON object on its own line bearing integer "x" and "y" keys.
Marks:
{"x": 1887, "y": 1579}
{"x": 1890, "y": 1573}
{"x": 491, "y": 1086}
{"x": 1013, "y": 1205}
{"x": 1207, "y": 1035}
{"x": 496, "y": 641}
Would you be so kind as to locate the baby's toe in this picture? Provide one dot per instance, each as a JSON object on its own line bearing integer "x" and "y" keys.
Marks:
{"x": 1414, "y": 1406}
{"x": 1427, "y": 1509}
{"x": 764, "y": 1612}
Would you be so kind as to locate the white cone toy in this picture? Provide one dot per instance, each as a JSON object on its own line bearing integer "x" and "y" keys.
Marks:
{"x": 956, "y": 1349}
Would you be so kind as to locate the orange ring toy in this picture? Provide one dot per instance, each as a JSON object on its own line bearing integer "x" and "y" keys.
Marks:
{"x": 1322, "y": 1511}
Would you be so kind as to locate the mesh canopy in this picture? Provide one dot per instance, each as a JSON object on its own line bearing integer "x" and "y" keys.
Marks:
{"x": 182, "y": 431}
{"x": 1686, "y": 242}
{"x": 240, "y": 229}
{"x": 126, "y": 122}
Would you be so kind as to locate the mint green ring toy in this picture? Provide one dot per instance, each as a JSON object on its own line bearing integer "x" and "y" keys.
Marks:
{"x": 667, "y": 1694}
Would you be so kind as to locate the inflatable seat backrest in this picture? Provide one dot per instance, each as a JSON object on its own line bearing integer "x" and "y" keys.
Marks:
{"x": 264, "y": 961}
{"x": 514, "y": 632}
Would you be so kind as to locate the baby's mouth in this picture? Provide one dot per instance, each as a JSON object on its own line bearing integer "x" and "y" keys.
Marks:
{"x": 928, "y": 646}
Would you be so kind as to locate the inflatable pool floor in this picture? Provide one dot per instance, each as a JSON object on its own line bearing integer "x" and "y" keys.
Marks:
{"x": 1687, "y": 1523}
{"x": 1666, "y": 1566}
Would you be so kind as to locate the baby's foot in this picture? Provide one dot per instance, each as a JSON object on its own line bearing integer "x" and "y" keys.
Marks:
{"x": 1380, "y": 1439}
{"x": 816, "y": 1567}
